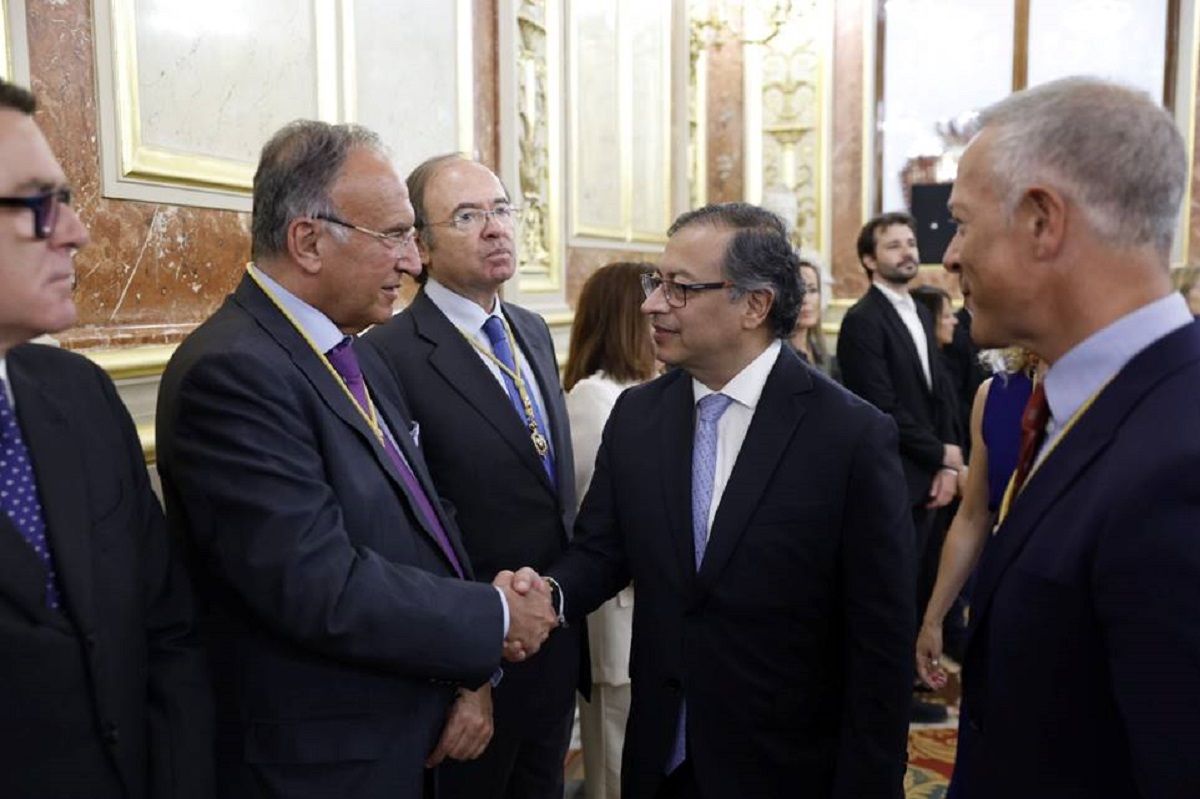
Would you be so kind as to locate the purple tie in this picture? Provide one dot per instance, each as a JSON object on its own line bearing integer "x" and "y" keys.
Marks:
{"x": 344, "y": 360}
{"x": 493, "y": 328}
{"x": 19, "y": 496}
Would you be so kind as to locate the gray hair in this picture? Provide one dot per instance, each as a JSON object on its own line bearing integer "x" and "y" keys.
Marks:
{"x": 759, "y": 257}
{"x": 1110, "y": 148}
{"x": 297, "y": 168}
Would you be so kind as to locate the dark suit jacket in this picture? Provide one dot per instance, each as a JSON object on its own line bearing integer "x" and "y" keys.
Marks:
{"x": 880, "y": 364}
{"x": 481, "y": 457}
{"x": 336, "y": 628}
{"x": 108, "y": 698}
{"x": 793, "y": 643}
{"x": 965, "y": 373}
{"x": 1082, "y": 669}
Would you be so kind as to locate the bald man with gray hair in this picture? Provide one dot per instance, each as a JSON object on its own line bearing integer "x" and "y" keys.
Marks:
{"x": 1082, "y": 669}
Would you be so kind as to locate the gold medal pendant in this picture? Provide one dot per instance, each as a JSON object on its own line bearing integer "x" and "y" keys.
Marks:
{"x": 539, "y": 441}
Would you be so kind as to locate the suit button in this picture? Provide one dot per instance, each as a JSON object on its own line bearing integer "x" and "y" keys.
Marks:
{"x": 673, "y": 685}
{"x": 111, "y": 734}
{"x": 973, "y": 724}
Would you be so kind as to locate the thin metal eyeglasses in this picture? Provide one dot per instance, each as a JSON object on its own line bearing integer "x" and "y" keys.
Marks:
{"x": 45, "y": 208}
{"x": 392, "y": 241}
{"x": 675, "y": 293}
{"x": 474, "y": 219}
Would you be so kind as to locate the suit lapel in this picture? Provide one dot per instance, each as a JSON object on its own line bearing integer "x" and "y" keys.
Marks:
{"x": 900, "y": 332}
{"x": 779, "y": 411}
{"x": 397, "y": 421}
{"x": 678, "y": 418}
{"x": 545, "y": 370}
{"x": 327, "y": 386}
{"x": 22, "y": 581}
{"x": 1078, "y": 448}
{"x": 458, "y": 363}
{"x": 62, "y": 488}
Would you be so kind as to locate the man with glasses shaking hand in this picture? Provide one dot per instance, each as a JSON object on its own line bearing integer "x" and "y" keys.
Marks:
{"x": 760, "y": 510}
{"x": 340, "y": 607}
{"x": 102, "y": 685}
{"x": 481, "y": 380}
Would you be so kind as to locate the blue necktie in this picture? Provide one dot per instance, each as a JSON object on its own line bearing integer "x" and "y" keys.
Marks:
{"x": 345, "y": 362}
{"x": 494, "y": 329}
{"x": 704, "y": 466}
{"x": 19, "y": 496}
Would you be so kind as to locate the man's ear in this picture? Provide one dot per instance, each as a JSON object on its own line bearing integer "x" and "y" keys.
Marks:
{"x": 1042, "y": 216}
{"x": 422, "y": 247}
{"x": 304, "y": 244}
{"x": 758, "y": 308}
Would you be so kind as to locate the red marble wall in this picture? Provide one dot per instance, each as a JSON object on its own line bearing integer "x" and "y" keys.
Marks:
{"x": 152, "y": 271}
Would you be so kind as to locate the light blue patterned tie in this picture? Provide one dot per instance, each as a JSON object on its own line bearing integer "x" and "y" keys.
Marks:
{"x": 704, "y": 465}
{"x": 19, "y": 494}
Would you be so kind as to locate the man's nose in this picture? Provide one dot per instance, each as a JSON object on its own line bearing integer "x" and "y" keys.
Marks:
{"x": 950, "y": 257}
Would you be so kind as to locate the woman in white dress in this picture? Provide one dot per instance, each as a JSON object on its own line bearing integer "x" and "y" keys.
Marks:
{"x": 610, "y": 351}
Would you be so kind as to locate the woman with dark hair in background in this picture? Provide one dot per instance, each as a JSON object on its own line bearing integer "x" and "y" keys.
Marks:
{"x": 610, "y": 351}
{"x": 807, "y": 339}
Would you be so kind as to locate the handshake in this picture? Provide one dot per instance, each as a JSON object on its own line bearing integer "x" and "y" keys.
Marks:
{"x": 531, "y": 616}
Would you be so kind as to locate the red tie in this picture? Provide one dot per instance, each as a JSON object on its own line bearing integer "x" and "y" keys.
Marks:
{"x": 1033, "y": 433}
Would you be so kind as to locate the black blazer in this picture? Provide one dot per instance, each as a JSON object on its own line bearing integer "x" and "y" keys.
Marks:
{"x": 108, "y": 698}
{"x": 337, "y": 630}
{"x": 793, "y": 643}
{"x": 965, "y": 373}
{"x": 1082, "y": 667}
{"x": 481, "y": 457}
{"x": 880, "y": 364}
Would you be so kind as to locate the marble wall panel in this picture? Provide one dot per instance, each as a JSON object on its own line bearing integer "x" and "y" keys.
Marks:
{"x": 152, "y": 272}
{"x": 847, "y": 148}
{"x": 726, "y": 129}
{"x": 583, "y": 261}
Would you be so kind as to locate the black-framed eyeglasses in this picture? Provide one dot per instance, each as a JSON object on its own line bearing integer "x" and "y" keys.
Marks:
{"x": 392, "y": 241}
{"x": 44, "y": 206}
{"x": 472, "y": 220}
{"x": 676, "y": 293}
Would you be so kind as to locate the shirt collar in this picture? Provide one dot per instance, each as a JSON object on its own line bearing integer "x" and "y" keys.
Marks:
{"x": 901, "y": 299}
{"x": 316, "y": 325}
{"x": 462, "y": 313}
{"x": 1090, "y": 364}
{"x": 746, "y": 387}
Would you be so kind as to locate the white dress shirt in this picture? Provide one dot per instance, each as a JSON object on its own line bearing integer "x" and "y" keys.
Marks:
{"x": 12, "y": 401}
{"x": 744, "y": 389}
{"x": 1088, "y": 366}
{"x": 906, "y": 306}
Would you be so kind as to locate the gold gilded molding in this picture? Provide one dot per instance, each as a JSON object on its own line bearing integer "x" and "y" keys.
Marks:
{"x": 538, "y": 70}
{"x": 146, "y": 437}
{"x": 130, "y": 362}
{"x": 139, "y": 161}
{"x": 787, "y": 113}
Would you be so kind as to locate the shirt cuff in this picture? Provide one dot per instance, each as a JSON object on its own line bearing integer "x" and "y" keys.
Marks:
{"x": 503, "y": 604}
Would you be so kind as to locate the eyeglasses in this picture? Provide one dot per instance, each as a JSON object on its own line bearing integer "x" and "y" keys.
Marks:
{"x": 473, "y": 219}
{"x": 393, "y": 241}
{"x": 676, "y": 294}
{"x": 45, "y": 209}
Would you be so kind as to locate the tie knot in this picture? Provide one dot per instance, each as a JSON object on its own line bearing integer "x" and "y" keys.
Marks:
{"x": 710, "y": 408}
{"x": 493, "y": 328}
{"x": 343, "y": 359}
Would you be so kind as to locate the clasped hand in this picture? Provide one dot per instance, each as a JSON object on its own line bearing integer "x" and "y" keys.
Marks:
{"x": 530, "y": 614}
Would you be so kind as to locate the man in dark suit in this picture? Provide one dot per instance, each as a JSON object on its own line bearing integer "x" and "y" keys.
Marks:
{"x": 481, "y": 379}
{"x": 347, "y": 636}
{"x": 102, "y": 685}
{"x": 760, "y": 510}
{"x": 964, "y": 371}
{"x": 888, "y": 355}
{"x": 1082, "y": 669}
